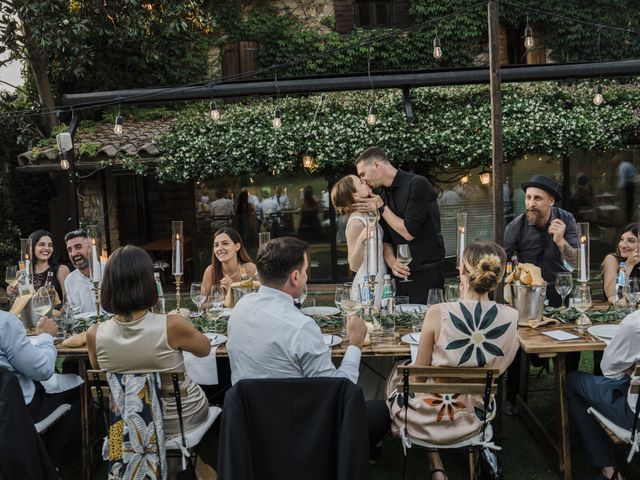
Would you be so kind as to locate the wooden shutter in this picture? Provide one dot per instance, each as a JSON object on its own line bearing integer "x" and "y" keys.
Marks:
{"x": 402, "y": 18}
{"x": 239, "y": 60}
{"x": 343, "y": 11}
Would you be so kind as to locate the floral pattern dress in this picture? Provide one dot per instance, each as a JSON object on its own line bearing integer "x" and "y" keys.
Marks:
{"x": 472, "y": 334}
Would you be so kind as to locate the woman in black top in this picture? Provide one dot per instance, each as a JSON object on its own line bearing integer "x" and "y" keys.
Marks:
{"x": 627, "y": 251}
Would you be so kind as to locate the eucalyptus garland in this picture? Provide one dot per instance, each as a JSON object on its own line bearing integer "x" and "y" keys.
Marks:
{"x": 451, "y": 129}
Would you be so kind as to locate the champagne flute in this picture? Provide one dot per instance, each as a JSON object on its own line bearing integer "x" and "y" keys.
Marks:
{"x": 11, "y": 275}
{"x": 197, "y": 297}
{"x": 632, "y": 291}
{"x": 403, "y": 255}
{"x": 582, "y": 303}
{"x": 564, "y": 284}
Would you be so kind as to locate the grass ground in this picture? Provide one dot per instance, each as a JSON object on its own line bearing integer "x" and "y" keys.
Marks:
{"x": 522, "y": 457}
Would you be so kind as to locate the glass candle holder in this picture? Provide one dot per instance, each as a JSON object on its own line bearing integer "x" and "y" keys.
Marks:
{"x": 461, "y": 236}
{"x": 177, "y": 248}
{"x": 95, "y": 249}
{"x": 584, "y": 248}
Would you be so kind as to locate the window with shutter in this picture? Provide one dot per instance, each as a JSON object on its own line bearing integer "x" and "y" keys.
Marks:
{"x": 374, "y": 13}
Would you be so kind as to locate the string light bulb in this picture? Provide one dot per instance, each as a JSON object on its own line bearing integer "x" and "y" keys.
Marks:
{"x": 528, "y": 36}
{"x": 464, "y": 180}
{"x": 117, "y": 128}
{"x": 64, "y": 164}
{"x": 214, "y": 113}
{"x": 598, "y": 98}
{"x": 437, "y": 48}
{"x": 277, "y": 119}
{"x": 372, "y": 115}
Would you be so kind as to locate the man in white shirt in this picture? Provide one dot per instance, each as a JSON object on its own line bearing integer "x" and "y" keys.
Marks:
{"x": 221, "y": 210}
{"x": 78, "y": 287}
{"x": 609, "y": 394}
{"x": 270, "y": 338}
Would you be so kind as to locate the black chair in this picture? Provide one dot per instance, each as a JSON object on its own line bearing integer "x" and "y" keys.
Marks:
{"x": 314, "y": 428}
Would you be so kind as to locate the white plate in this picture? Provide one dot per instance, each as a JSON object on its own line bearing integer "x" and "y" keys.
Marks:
{"x": 320, "y": 311}
{"x": 411, "y": 308}
{"x": 84, "y": 316}
{"x": 216, "y": 338}
{"x": 411, "y": 338}
{"x": 331, "y": 340}
{"x": 603, "y": 331}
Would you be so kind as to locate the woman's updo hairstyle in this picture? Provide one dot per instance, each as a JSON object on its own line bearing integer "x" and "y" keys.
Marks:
{"x": 485, "y": 262}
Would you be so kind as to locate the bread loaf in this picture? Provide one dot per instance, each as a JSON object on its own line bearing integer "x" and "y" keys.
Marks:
{"x": 75, "y": 341}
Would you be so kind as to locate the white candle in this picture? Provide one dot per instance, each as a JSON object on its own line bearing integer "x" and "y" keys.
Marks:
{"x": 372, "y": 245}
{"x": 583, "y": 259}
{"x": 461, "y": 233}
{"x": 95, "y": 263}
{"x": 178, "y": 265}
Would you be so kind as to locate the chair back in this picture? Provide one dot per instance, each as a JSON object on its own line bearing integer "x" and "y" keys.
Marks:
{"x": 467, "y": 380}
{"x": 313, "y": 428}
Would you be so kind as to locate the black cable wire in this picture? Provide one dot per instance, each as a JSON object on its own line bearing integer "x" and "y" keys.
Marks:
{"x": 370, "y": 40}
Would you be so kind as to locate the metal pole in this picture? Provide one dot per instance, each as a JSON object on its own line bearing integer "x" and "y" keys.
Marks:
{"x": 496, "y": 126}
{"x": 71, "y": 179}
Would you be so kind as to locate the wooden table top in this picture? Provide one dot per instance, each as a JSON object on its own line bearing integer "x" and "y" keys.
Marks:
{"x": 533, "y": 341}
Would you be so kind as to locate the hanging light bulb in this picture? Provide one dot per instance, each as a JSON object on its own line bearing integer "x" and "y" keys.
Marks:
{"x": 214, "y": 113}
{"x": 485, "y": 176}
{"x": 528, "y": 36}
{"x": 598, "y": 98}
{"x": 464, "y": 179}
{"x": 277, "y": 118}
{"x": 372, "y": 116}
{"x": 64, "y": 164}
{"x": 437, "y": 49}
{"x": 117, "y": 129}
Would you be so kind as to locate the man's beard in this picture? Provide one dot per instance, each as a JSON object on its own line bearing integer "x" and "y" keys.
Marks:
{"x": 81, "y": 264}
{"x": 535, "y": 216}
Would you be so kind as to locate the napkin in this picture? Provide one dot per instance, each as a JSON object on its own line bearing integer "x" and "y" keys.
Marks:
{"x": 202, "y": 370}
{"x": 61, "y": 382}
{"x": 20, "y": 304}
{"x": 229, "y": 301}
{"x": 560, "y": 335}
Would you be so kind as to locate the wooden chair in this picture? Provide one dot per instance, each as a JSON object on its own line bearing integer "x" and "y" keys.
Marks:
{"x": 170, "y": 388}
{"x": 454, "y": 380}
{"x": 620, "y": 434}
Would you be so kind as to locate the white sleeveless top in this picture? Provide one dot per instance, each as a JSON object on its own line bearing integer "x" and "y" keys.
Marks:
{"x": 362, "y": 270}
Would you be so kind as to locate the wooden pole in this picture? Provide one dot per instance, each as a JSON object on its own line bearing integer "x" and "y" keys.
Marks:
{"x": 495, "y": 83}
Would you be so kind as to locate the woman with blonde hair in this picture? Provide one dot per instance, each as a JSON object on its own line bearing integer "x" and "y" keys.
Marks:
{"x": 473, "y": 332}
{"x": 344, "y": 194}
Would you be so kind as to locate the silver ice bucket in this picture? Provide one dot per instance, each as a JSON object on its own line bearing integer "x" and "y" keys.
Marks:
{"x": 528, "y": 300}
{"x": 239, "y": 292}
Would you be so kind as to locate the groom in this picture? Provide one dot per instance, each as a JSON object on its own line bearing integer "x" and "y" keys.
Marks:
{"x": 409, "y": 215}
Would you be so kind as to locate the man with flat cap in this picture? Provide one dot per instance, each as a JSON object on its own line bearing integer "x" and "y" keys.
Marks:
{"x": 546, "y": 236}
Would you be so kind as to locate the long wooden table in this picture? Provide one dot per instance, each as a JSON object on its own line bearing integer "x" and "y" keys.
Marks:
{"x": 533, "y": 342}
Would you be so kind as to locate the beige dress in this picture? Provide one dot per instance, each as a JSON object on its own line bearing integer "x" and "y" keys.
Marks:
{"x": 141, "y": 346}
{"x": 472, "y": 334}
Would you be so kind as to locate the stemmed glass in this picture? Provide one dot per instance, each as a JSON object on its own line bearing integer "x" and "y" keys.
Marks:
{"x": 351, "y": 303}
{"x": 403, "y": 255}
{"x": 564, "y": 284}
{"x": 582, "y": 303}
{"x": 216, "y": 298}
{"x": 197, "y": 297}
{"x": 299, "y": 300}
{"x": 632, "y": 291}
{"x": 11, "y": 275}
{"x": 41, "y": 303}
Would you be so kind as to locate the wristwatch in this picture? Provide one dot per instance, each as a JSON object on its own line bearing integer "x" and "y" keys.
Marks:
{"x": 381, "y": 209}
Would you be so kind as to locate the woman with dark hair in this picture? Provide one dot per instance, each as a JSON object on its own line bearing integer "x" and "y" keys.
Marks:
{"x": 136, "y": 340}
{"x": 42, "y": 253}
{"x": 485, "y": 338}
{"x": 230, "y": 261}
{"x": 627, "y": 251}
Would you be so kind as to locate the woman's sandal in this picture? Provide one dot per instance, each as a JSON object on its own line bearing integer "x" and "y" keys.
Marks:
{"x": 439, "y": 470}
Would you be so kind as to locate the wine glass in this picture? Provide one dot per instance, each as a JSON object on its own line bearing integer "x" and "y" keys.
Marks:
{"x": 41, "y": 303}
{"x": 582, "y": 303}
{"x": 351, "y": 301}
{"x": 452, "y": 292}
{"x": 403, "y": 255}
{"x": 564, "y": 284}
{"x": 11, "y": 275}
{"x": 197, "y": 297}
{"x": 299, "y": 300}
{"x": 216, "y": 299}
{"x": 632, "y": 291}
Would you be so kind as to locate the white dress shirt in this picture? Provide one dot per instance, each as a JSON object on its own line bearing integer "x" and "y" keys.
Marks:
{"x": 80, "y": 293}
{"x": 623, "y": 352}
{"x": 270, "y": 338}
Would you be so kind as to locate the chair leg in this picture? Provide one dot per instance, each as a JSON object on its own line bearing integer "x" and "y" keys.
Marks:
{"x": 472, "y": 464}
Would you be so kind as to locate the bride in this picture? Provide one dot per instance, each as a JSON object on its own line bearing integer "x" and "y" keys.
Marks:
{"x": 344, "y": 194}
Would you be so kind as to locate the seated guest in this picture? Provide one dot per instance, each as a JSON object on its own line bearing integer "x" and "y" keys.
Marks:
{"x": 270, "y": 338}
{"x": 33, "y": 364}
{"x": 609, "y": 394}
{"x": 77, "y": 284}
{"x": 136, "y": 340}
{"x": 627, "y": 251}
{"x": 42, "y": 251}
{"x": 230, "y": 261}
{"x": 447, "y": 341}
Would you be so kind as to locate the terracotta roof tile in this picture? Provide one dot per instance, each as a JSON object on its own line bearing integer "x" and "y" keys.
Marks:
{"x": 136, "y": 139}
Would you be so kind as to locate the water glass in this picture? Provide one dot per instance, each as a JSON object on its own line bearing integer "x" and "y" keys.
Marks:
{"x": 388, "y": 317}
{"x": 435, "y": 296}
{"x": 632, "y": 291}
{"x": 564, "y": 284}
{"x": 452, "y": 292}
{"x": 582, "y": 303}
{"x": 403, "y": 255}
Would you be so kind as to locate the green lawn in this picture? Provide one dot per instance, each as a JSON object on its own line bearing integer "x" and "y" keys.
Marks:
{"x": 522, "y": 458}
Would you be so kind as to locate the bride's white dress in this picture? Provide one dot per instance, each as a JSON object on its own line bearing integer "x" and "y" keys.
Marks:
{"x": 362, "y": 271}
